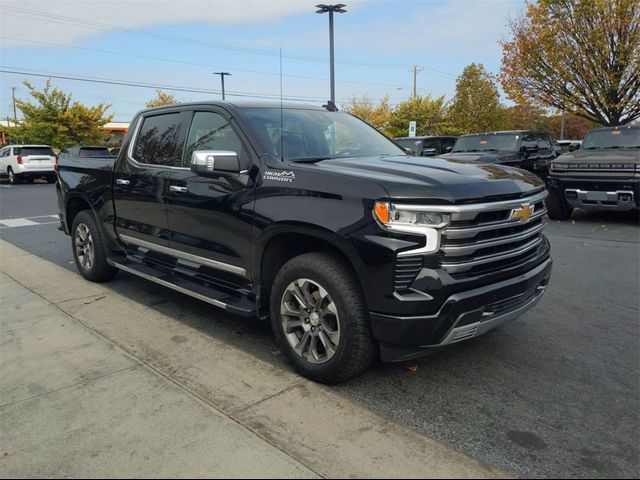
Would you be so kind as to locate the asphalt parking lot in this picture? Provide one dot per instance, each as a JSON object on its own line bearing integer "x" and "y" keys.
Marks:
{"x": 554, "y": 394}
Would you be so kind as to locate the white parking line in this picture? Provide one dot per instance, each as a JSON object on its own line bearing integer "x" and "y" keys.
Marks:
{"x": 25, "y": 222}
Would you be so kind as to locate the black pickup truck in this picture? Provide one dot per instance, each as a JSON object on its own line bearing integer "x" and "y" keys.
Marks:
{"x": 603, "y": 173}
{"x": 316, "y": 221}
{"x": 531, "y": 150}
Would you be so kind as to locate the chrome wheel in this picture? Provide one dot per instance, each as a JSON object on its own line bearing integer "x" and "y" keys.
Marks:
{"x": 310, "y": 321}
{"x": 85, "y": 250}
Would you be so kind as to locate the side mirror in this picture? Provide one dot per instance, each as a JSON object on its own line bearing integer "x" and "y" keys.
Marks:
{"x": 448, "y": 149}
{"x": 210, "y": 162}
{"x": 573, "y": 147}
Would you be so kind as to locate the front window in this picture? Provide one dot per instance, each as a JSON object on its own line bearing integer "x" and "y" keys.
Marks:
{"x": 487, "y": 143}
{"x": 623, "y": 138}
{"x": 299, "y": 135}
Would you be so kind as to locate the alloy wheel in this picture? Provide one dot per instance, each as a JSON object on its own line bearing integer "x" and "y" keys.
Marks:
{"x": 310, "y": 321}
{"x": 85, "y": 249}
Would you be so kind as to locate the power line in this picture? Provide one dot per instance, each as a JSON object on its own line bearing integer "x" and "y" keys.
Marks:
{"x": 177, "y": 88}
{"x": 184, "y": 62}
{"x": 51, "y": 17}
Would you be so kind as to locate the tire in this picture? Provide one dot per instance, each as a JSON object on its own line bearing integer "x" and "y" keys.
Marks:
{"x": 89, "y": 251}
{"x": 13, "y": 179}
{"x": 342, "y": 311}
{"x": 557, "y": 206}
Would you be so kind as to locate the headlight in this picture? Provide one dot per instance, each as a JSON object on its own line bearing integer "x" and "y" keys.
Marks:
{"x": 390, "y": 216}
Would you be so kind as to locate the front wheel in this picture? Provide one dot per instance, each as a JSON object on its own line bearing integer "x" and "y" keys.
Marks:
{"x": 557, "y": 206}
{"x": 88, "y": 249}
{"x": 320, "y": 319}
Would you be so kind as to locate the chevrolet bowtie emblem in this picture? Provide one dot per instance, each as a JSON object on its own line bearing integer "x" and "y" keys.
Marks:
{"x": 523, "y": 213}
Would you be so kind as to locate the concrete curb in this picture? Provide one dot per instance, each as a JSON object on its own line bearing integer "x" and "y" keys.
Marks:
{"x": 325, "y": 432}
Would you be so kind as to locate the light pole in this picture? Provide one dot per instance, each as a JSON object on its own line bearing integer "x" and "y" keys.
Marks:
{"x": 339, "y": 8}
{"x": 222, "y": 75}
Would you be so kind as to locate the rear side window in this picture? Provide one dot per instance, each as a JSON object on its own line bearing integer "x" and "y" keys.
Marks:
{"x": 27, "y": 151}
{"x": 160, "y": 141}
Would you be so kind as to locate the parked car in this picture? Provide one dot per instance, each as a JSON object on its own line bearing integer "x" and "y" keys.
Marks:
{"x": 27, "y": 162}
{"x": 427, "y": 146}
{"x": 603, "y": 174}
{"x": 86, "y": 151}
{"x": 312, "y": 219}
{"x": 531, "y": 150}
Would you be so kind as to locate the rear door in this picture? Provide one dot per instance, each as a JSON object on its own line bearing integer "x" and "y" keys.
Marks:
{"x": 210, "y": 218}
{"x": 142, "y": 175}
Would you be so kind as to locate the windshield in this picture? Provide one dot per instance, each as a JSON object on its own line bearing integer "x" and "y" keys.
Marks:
{"x": 317, "y": 135}
{"x": 624, "y": 138}
{"x": 484, "y": 143}
{"x": 26, "y": 151}
{"x": 412, "y": 144}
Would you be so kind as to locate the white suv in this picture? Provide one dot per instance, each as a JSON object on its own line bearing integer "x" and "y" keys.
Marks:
{"x": 28, "y": 162}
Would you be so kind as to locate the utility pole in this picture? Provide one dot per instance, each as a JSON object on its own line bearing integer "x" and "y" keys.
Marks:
{"x": 222, "y": 75}
{"x": 562, "y": 125}
{"x": 416, "y": 71}
{"x": 15, "y": 116}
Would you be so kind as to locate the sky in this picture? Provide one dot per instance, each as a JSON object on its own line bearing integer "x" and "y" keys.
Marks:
{"x": 179, "y": 44}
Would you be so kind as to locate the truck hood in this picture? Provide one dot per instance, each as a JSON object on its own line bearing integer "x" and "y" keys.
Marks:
{"x": 606, "y": 155}
{"x": 486, "y": 157}
{"x": 435, "y": 179}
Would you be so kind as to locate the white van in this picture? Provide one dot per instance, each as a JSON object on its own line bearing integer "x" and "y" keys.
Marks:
{"x": 27, "y": 162}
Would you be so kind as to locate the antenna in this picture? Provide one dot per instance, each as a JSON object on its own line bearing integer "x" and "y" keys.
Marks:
{"x": 281, "y": 113}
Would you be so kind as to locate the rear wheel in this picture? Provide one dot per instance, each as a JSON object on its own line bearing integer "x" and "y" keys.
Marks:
{"x": 320, "y": 320}
{"x": 557, "y": 206}
{"x": 88, "y": 249}
{"x": 12, "y": 176}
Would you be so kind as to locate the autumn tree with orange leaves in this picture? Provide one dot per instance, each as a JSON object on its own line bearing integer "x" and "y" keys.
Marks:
{"x": 582, "y": 56}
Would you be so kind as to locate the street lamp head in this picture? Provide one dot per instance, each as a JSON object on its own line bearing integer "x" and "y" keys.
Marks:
{"x": 339, "y": 8}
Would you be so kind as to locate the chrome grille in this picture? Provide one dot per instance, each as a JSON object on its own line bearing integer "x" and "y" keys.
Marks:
{"x": 480, "y": 242}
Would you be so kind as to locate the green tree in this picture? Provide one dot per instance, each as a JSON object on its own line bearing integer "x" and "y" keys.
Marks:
{"x": 525, "y": 117}
{"x": 582, "y": 56}
{"x": 428, "y": 113}
{"x": 476, "y": 106}
{"x": 377, "y": 115}
{"x": 575, "y": 127}
{"x": 53, "y": 119}
{"x": 161, "y": 99}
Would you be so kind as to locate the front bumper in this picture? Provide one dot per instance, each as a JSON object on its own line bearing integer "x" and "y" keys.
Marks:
{"x": 602, "y": 194}
{"x": 463, "y": 316}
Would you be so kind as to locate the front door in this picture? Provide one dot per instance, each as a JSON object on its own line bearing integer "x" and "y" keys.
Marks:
{"x": 210, "y": 218}
{"x": 142, "y": 177}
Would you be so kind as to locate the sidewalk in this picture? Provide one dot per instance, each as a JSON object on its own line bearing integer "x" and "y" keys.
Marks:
{"x": 95, "y": 384}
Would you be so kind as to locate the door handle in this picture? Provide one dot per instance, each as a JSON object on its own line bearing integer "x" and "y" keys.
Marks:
{"x": 122, "y": 181}
{"x": 177, "y": 189}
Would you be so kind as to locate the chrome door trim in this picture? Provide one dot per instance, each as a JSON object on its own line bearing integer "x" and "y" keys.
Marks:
{"x": 170, "y": 285}
{"x": 184, "y": 255}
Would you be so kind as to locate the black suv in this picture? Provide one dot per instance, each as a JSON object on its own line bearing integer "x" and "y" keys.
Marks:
{"x": 531, "y": 150}
{"x": 427, "y": 146}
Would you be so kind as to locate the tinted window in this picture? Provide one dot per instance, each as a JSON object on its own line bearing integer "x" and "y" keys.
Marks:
{"x": 211, "y": 131}
{"x": 26, "y": 151}
{"x": 414, "y": 145}
{"x": 432, "y": 144}
{"x": 447, "y": 142}
{"x": 487, "y": 143}
{"x": 543, "y": 141}
{"x": 623, "y": 138}
{"x": 159, "y": 141}
{"x": 94, "y": 152}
